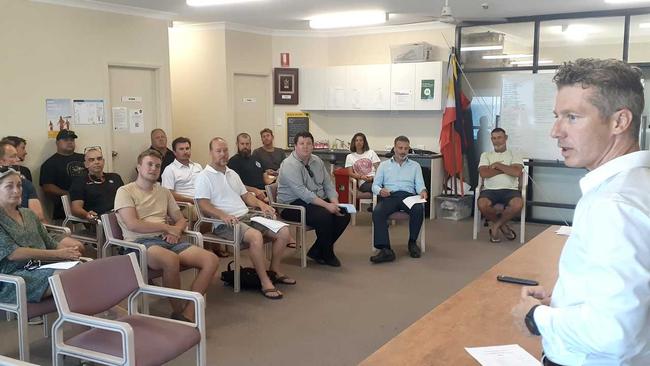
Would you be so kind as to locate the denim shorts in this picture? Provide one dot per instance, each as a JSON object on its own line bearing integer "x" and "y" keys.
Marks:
{"x": 159, "y": 241}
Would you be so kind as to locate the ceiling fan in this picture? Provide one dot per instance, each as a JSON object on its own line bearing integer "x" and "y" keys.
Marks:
{"x": 447, "y": 16}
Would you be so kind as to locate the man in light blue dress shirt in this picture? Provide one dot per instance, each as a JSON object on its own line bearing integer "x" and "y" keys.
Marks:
{"x": 599, "y": 311}
{"x": 395, "y": 180}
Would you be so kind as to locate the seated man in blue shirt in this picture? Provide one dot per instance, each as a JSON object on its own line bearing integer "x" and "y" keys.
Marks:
{"x": 396, "y": 179}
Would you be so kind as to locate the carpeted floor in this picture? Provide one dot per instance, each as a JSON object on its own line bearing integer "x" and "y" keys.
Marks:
{"x": 333, "y": 316}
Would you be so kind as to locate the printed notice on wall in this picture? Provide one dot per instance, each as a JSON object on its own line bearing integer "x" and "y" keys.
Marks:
{"x": 136, "y": 121}
{"x": 88, "y": 111}
{"x": 59, "y": 115}
{"x": 120, "y": 119}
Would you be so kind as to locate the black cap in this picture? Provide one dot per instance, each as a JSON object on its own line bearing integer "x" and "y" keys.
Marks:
{"x": 66, "y": 134}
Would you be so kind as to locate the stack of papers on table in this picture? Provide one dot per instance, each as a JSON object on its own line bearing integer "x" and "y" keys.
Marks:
{"x": 508, "y": 355}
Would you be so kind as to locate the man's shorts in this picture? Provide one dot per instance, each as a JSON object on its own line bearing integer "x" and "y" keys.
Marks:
{"x": 227, "y": 232}
{"x": 499, "y": 196}
{"x": 159, "y": 241}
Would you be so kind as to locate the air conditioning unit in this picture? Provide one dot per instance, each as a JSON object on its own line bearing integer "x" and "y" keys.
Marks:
{"x": 411, "y": 52}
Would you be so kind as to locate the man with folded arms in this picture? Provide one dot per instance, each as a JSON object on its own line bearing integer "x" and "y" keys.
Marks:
{"x": 249, "y": 168}
{"x": 143, "y": 208}
{"x": 599, "y": 311}
{"x": 222, "y": 195}
{"x": 397, "y": 178}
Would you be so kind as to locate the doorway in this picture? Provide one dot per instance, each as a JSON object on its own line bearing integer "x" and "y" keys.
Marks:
{"x": 251, "y": 105}
{"x": 134, "y": 99}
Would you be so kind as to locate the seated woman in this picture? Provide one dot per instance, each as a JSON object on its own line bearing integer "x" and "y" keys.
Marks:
{"x": 23, "y": 238}
{"x": 362, "y": 163}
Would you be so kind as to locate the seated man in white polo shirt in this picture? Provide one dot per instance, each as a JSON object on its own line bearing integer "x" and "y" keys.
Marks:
{"x": 222, "y": 195}
{"x": 179, "y": 176}
{"x": 501, "y": 170}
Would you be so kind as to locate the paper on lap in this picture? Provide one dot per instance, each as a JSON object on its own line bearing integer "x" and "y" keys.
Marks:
{"x": 273, "y": 225}
{"x": 411, "y": 200}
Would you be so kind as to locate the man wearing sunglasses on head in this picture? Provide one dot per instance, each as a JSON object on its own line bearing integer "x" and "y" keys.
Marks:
{"x": 303, "y": 180}
{"x": 94, "y": 194}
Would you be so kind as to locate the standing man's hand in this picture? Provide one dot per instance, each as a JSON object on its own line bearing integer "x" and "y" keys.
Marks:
{"x": 384, "y": 192}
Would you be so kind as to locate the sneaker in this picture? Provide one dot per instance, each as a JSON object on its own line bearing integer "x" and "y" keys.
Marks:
{"x": 414, "y": 249}
{"x": 384, "y": 255}
{"x": 37, "y": 320}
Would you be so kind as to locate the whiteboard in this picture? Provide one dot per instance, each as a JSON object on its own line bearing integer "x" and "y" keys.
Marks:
{"x": 527, "y": 103}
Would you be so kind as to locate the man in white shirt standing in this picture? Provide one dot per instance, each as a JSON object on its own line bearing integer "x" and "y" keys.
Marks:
{"x": 500, "y": 170}
{"x": 599, "y": 311}
{"x": 179, "y": 176}
{"x": 222, "y": 195}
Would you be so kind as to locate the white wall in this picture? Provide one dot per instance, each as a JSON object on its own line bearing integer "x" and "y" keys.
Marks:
{"x": 51, "y": 51}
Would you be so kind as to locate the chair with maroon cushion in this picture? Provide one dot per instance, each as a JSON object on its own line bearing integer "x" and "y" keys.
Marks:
{"x": 114, "y": 238}
{"x": 26, "y": 310}
{"x": 399, "y": 216}
{"x": 85, "y": 235}
{"x": 134, "y": 339}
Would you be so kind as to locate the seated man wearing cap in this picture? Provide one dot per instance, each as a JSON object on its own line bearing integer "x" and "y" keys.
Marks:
{"x": 59, "y": 169}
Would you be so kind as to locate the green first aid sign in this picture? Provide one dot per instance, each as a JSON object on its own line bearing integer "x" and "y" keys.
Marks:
{"x": 426, "y": 90}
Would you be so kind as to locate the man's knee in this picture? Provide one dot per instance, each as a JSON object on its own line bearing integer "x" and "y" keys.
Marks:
{"x": 254, "y": 239}
{"x": 484, "y": 204}
{"x": 163, "y": 259}
{"x": 516, "y": 204}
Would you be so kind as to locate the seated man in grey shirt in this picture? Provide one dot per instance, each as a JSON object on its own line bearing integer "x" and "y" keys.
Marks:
{"x": 270, "y": 157}
{"x": 304, "y": 181}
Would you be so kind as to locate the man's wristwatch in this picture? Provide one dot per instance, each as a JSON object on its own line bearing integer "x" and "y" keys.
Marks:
{"x": 530, "y": 321}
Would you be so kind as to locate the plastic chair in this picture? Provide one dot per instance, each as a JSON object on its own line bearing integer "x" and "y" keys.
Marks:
{"x": 71, "y": 220}
{"x": 26, "y": 310}
{"x": 134, "y": 339}
{"x": 523, "y": 185}
{"x": 114, "y": 238}
{"x": 401, "y": 216}
{"x": 357, "y": 198}
{"x": 301, "y": 226}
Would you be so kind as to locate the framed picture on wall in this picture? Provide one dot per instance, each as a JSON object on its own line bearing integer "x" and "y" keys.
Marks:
{"x": 285, "y": 85}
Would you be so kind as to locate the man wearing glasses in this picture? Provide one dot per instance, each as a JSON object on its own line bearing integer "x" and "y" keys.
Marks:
{"x": 59, "y": 169}
{"x": 304, "y": 181}
{"x": 94, "y": 194}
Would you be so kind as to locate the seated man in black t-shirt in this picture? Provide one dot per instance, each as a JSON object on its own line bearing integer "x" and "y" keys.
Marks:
{"x": 249, "y": 169}
{"x": 59, "y": 169}
{"x": 94, "y": 194}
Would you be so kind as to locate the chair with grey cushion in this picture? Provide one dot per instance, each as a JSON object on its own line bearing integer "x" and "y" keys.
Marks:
{"x": 301, "y": 226}
{"x": 85, "y": 235}
{"x": 26, "y": 310}
{"x": 115, "y": 239}
{"x": 134, "y": 339}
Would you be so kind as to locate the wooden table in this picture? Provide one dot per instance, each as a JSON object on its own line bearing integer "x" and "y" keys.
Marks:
{"x": 479, "y": 314}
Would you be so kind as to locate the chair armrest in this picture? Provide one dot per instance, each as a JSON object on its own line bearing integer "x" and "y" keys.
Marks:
{"x": 21, "y": 292}
{"x": 284, "y": 206}
{"x": 141, "y": 249}
{"x": 196, "y": 237}
{"x": 124, "y": 329}
{"x": 374, "y": 200}
{"x": 57, "y": 229}
{"x": 196, "y": 298}
{"x": 184, "y": 204}
{"x": 77, "y": 219}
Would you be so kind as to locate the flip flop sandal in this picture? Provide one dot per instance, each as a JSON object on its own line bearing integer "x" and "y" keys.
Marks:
{"x": 508, "y": 232}
{"x": 493, "y": 239}
{"x": 272, "y": 289}
{"x": 285, "y": 280}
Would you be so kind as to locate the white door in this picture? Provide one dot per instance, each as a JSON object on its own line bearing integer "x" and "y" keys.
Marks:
{"x": 252, "y": 108}
{"x": 133, "y": 90}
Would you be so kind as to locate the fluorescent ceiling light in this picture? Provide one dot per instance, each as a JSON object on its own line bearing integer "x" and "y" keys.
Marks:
{"x": 481, "y": 48}
{"x": 644, "y": 25}
{"x": 530, "y": 62}
{"x": 574, "y": 32}
{"x": 499, "y": 57}
{"x": 626, "y": 1}
{"x": 347, "y": 19}
{"x": 216, "y": 2}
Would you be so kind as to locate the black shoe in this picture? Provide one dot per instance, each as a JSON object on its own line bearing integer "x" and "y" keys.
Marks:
{"x": 318, "y": 260}
{"x": 315, "y": 255}
{"x": 384, "y": 255}
{"x": 333, "y": 261}
{"x": 414, "y": 250}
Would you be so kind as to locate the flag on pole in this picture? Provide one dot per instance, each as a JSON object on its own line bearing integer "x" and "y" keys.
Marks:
{"x": 453, "y": 138}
